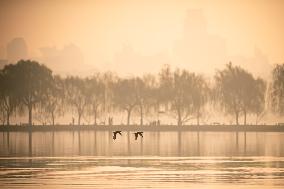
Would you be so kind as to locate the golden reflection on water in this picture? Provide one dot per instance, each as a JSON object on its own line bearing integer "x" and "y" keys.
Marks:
{"x": 160, "y": 160}
{"x": 139, "y": 172}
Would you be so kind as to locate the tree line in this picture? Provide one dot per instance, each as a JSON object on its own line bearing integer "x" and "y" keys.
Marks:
{"x": 30, "y": 88}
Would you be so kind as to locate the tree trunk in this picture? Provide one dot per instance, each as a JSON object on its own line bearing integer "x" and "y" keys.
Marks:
{"x": 237, "y": 118}
{"x": 141, "y": 115}
{"x": 198, "y": 119}
{"x": 3, "y": 122}
{"x": 128, "y": 116}
{"x": 30, "y": 115}
{"x": 257, "y": 118}
{"x": 79, "y": 118}
{"x": 95, "y": 117}
{"x": 179, "y": 117}
{"x": 52, "y": 116}
{"x": 245, "y": 117}
{"x": 8, "y": 118}
{"x": 198, "y": 115}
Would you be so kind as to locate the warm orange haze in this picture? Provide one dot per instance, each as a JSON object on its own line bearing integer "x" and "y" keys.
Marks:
{"x": 142, "y": 94}
{"x": 80, "y": 37}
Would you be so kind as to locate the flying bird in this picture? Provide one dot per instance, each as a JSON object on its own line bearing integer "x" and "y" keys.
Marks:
{"x": 137, "y": 134}
{"x": 115, "y": 133}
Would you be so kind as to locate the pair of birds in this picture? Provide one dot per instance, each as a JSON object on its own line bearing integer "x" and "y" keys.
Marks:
{"x": 119, "y": 132}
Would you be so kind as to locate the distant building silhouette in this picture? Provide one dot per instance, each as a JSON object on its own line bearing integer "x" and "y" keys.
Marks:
{"x": 258, "y": 63}
{"x": 207, "y": 52}
{"x": 17, "y": 49}
{"x": 197, "y": 49}
{"x": 128, "y": 61}
{"x": 68, "y": 60}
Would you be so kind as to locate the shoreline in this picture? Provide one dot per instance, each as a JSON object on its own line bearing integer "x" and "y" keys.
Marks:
{"x": 170, "y": 128}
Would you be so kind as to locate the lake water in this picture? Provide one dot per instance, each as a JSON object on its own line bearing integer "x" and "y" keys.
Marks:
{"x": 92, "y": 159}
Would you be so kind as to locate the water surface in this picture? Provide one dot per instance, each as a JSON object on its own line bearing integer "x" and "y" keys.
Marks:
{"x": 92, "y": 159}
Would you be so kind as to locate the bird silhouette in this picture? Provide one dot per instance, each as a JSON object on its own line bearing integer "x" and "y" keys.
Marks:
{"x": 137, "y": 134}
{"x": 115, "y": 133}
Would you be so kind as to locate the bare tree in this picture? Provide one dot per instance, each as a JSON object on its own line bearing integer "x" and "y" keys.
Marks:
{"x": 76, "y": 95}
{"x": 53, "y": 106}
{"x": 184, "y": 91}
{"x": 8, "y": 98}
{"x": 239, "y": 92}
{"x": 200, "y": 92}
{"x": 95, "y": 95}
{"x": 229, "y": 89}
{"x": 257, "y": 107}
{"x": 2, "y": 113}
{"x": 124, "y": 96}
{"x": 277, "y": 89}
{"x": 145, "y": 89}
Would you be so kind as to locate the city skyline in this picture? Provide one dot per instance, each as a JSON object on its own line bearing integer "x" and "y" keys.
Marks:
{"x": 90, "y": 39}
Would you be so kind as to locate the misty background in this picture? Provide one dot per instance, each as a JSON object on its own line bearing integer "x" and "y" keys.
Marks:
{"x": 134, "y": 37}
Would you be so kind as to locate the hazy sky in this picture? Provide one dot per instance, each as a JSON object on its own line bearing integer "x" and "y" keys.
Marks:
{"x": 106, "y": 31}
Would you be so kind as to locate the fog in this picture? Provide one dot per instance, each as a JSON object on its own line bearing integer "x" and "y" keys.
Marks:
{"x": 134, "y": 37}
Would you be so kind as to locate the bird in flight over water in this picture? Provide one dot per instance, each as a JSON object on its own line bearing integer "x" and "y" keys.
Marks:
{"x": 137, "y": 134}
{"x": 115, "y": 133}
